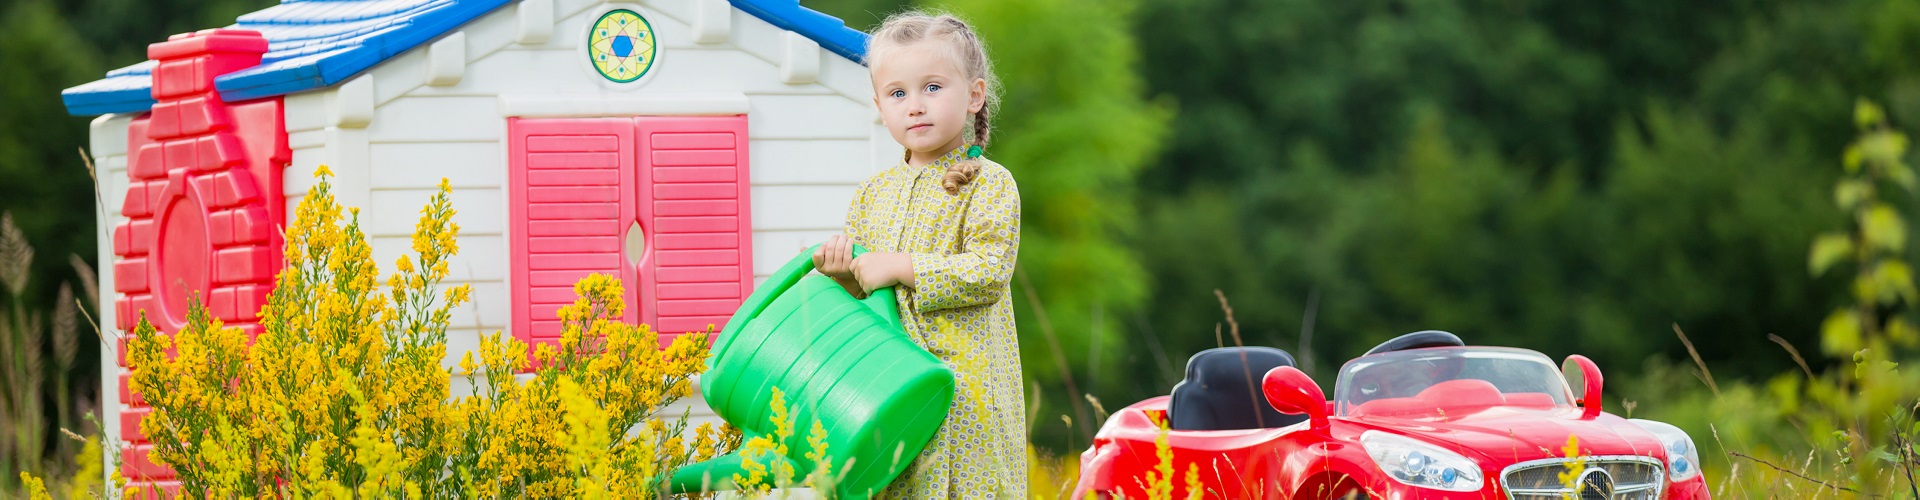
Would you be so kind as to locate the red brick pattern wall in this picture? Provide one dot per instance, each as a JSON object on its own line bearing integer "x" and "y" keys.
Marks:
{"x": 203, "y": 207}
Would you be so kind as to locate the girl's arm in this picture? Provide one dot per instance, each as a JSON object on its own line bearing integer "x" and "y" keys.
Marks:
{"x": 991, "y": 237}
{"x": 835, "y": 257}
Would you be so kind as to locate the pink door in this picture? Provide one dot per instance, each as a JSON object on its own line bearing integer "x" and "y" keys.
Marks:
{"x": 693, "y": 191}
{"x": 660, "y": 202}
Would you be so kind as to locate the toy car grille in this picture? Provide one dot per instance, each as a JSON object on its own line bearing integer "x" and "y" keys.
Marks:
{"x": 1629, "y": 478}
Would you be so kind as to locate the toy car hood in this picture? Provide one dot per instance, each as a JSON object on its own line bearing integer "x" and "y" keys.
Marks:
{"x": 1508, "y": 435}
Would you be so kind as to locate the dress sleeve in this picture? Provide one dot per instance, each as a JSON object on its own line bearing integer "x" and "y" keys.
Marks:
{"x": 858, "y": 212}
{"x": 990, "y": 239}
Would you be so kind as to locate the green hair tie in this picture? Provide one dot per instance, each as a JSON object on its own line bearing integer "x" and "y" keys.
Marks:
{"x": 974, "y": 151}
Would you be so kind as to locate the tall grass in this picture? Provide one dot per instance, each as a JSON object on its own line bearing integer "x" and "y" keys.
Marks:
{"x": 38, "y": 352}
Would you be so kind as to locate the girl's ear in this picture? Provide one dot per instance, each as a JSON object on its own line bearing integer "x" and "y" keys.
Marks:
{"x": 976, "y": 95}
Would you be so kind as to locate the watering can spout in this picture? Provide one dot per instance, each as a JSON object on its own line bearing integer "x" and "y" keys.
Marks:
{"x": 842, "y": 363}
{"x": 709, "y": 475}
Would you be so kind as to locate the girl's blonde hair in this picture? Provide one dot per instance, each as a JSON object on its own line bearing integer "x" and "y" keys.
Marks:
{"x": 968, "y": 53}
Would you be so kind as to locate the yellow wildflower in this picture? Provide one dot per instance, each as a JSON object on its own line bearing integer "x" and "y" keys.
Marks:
{"x": 35, "y": 489}
{"x": 343, "y": 392}
{"x": 1577, "y": 466}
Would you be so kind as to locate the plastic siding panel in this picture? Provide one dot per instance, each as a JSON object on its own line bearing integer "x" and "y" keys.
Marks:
{"x": 420, "y": 119}
{"x": 480, "y": 211}
{"x": 421, "y": 165}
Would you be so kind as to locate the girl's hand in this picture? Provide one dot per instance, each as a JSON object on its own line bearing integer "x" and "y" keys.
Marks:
{"x": 834, "y": 258}
{"x": 876, "y": 270}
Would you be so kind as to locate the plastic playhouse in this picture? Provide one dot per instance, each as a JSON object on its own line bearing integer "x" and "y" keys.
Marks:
{"x": 689, "y": 147}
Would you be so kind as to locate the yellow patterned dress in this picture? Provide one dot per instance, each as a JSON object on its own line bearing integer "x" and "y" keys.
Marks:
{"x": 963, "y": 248}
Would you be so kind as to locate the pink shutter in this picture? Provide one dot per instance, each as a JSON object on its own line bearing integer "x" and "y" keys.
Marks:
{"x": 570, "y": 207}
{"x": 693, "y": 204}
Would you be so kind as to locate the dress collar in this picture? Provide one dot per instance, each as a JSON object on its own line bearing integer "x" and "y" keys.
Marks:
{"x": 944, "y": 161}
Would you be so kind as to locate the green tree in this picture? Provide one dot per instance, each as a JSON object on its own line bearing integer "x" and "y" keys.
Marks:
{"x": 1863, "y": 409}
{"x": 49, "y": 190}
{"x": 47, "y": 47}
{"x": 1614, "y": 169}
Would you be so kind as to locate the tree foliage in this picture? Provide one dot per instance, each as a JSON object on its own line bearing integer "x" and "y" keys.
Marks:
{"x": 1565, "y": 177}
{"x": 1570, "y": 178}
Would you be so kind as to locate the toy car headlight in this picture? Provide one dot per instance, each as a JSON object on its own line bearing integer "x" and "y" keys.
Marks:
{"x": 1683, "y": 460}
{"x": 1416, "y": 463}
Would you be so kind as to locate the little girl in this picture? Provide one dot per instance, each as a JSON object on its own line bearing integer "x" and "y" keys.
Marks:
{"x": 943, "y": 226}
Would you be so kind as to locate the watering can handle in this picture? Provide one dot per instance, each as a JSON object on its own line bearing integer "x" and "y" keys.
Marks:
{"x": 882, "y": 300}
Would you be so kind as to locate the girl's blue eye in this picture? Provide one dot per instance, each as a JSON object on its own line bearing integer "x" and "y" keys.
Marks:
{"x": 933, "y": 87}
{"x": 897, "y": 93}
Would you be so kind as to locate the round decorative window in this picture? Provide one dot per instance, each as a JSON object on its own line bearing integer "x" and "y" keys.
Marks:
{"x": 621, "y": 46}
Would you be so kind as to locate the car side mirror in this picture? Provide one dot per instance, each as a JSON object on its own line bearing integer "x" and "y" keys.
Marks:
{"x": 1584, "y": 378}
{"x": 1294, "y": 393}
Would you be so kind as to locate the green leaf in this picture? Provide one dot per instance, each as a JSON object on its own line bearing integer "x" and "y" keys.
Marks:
{"x": 1882, "y": 228}
{"x": 1840, "y": 333}
{"x": 1901, "y": 174}
{"x": 1848, "y": 193}
{"x": 1882, "y": 148}
{"x": 1880, "y": 452}
{"x": 1852, "y": 158}
{"x": 1899, "y": 329}
{"x": 1893, "y": 280}
{"x": 1828, "y": 249}
{"x": 1786, "y": 392}
{"x": 1866, "y": 114}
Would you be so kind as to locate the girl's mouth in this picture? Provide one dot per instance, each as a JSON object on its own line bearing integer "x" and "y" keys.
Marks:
{"x": 918, "y": 127}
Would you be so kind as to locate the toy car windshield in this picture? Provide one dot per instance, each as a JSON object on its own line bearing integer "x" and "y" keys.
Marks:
{"x": 1438, "y": 382}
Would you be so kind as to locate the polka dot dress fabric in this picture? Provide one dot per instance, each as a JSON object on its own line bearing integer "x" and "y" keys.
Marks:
{"x": 960, "y": 309}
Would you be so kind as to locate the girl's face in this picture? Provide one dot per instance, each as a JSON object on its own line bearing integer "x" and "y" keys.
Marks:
{"x": 924, "y": 98}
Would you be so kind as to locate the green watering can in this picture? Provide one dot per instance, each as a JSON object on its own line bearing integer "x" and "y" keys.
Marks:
{"x": 846, "y": 362}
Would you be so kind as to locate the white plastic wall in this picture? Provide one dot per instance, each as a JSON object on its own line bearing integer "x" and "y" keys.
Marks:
{"x": 440, "y": 110}
{"x": 108, "y": 146}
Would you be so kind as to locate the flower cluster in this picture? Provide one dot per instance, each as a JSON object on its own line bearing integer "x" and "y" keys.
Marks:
{"x": 1159, "y": 481}
{"x": 1576, "y": 466}
{"x": 766, "y": 462}
{"x": 606, "y": 379}
{"x": 341, "y": 391}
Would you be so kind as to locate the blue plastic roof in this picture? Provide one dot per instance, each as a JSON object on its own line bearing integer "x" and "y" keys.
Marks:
{"x": 317, "y": 43}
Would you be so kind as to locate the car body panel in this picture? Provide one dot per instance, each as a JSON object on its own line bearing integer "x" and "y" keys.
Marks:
{"x": 1302, "y": 461}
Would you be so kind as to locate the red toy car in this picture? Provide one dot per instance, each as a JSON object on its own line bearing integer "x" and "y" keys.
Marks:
{"x": 1420, "y": 416}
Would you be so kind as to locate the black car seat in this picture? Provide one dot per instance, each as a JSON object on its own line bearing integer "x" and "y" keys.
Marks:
{"x": 1222, "y": 391}
{"x": 1417, "y": 340}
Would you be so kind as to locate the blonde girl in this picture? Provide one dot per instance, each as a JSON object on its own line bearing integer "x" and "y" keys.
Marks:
{"x": 944, "y": 226}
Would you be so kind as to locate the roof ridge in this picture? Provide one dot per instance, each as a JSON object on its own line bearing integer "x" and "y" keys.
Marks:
{"x": 320, "y": 43}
